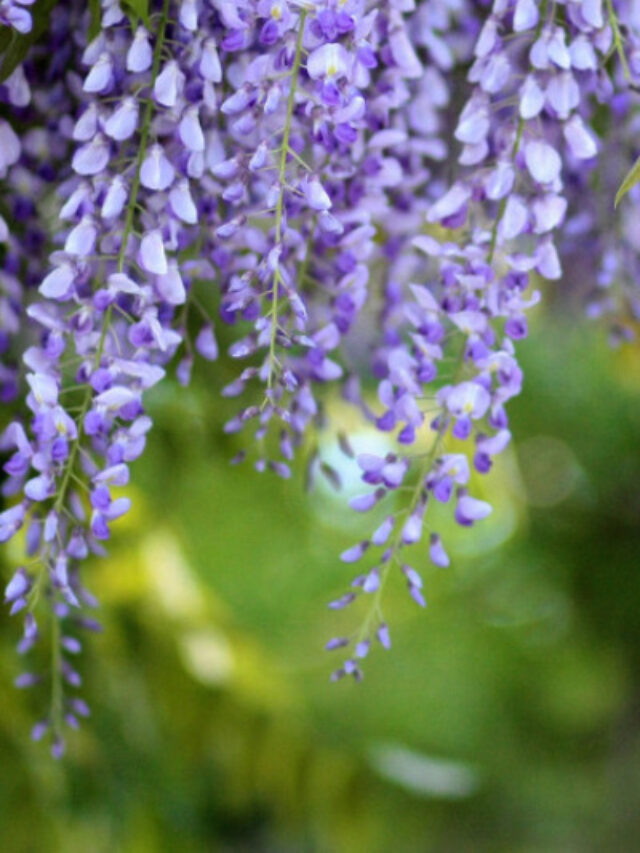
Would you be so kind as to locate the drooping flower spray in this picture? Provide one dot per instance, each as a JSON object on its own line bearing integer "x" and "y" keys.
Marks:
{"x": 371, "y": 193}
{"x": 106, "y": 315}
{"x": 535, "y": 74}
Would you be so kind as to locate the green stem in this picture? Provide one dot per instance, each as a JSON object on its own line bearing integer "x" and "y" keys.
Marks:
{"x": 279, "y": 208}
{"x": 516, "y": 145}
{"x": 503, "y": 202}
{"x": 144, "y": 138}
{"x": 435, "y": 450}
{"x": 68, "y": 473}
{"x": 617, "y": 39}
{"x": 427, "y": 465}
{"x": 56, "y": 676}
{"x": 126, "y": 233}
{"x": 375, "y": 609}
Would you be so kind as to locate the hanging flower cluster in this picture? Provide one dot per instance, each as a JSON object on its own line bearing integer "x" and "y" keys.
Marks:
{"x": 297, "y": 157}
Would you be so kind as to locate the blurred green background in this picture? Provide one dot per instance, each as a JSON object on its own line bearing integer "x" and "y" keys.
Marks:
{"x": 505, "y": 718}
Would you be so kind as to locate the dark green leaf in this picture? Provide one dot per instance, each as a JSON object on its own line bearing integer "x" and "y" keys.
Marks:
{"x": 6, "y": 34}
{"x": 96, "y": 16}
{"x": 140, "y": 9}
{"x": 631, "y": 179}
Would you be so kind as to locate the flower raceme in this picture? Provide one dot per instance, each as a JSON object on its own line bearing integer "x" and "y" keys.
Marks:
{"x": 295, "y": 158}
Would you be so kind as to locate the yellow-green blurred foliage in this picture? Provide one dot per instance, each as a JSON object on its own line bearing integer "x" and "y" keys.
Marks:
{"x": 505, "y": 718}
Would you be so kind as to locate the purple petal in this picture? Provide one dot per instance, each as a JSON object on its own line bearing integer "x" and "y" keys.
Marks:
{"x": 152, "y": 256}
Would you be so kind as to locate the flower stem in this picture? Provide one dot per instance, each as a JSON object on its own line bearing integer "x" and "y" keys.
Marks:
{"x": 126, "y": 232}
{"x": 617, "y": 39}
{"x": 56, "y": 677}
{"x": 427, "y": 465}
{"x": 279, "y": 208}
{"x": 68, "y": 471}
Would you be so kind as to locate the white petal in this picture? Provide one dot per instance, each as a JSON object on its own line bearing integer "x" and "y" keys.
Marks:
{"x": 152, "y": 256}
{"x": 156, "y": 172}
{"x": 450, "y": 203}
{"x": 91, "y": 158}
{"x": 525, "y": 16}
{"x": 580, "y": 140}
{"x": 514, "y": 218}
{"x": 168, "y": 84}
{"x": 531, "y": 98}
{"x": 330, "y": 60}
{"x": 182, "y": 203}
{"x": 190, "y": 130}
{"x": 210, "y": 67}
{"x": 170, "y": 286}
{"x": 100, "y": 76}
{"x": 58, "y": 282}
{"x": 82, "y": 238}
{"x": 122, "y": 123}
{"x": 115, "y": 199}
{"x": 139, "y": 55}
{"x": 543, "y": 161}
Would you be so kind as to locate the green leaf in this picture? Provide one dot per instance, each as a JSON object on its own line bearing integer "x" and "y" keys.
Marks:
{"x": 96, "y": 18}
{"x": 6, "y": 34}
{"x": 140, "y": 9}
{"x": 632, "y": 178}
{"x": 15, "y": 46}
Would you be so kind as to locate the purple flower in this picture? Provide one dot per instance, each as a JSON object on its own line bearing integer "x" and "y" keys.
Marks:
{"x": 290, "y": 161}
{"x": 18, "y": 586}
{"x": 437, "y": 552}
{"x": 470, "y": 509}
